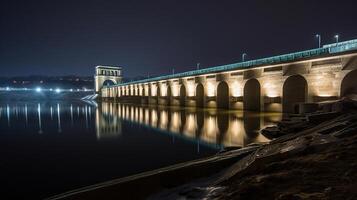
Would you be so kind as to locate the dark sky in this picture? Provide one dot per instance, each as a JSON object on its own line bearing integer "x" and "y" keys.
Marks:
{"x": 62, "y": 37}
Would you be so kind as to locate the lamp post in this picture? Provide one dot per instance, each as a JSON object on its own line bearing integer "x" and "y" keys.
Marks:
{"x": 243, "y": 57}
{"x": 337, "y": 37}
{"x": 198, "y": 66}
{"x": 318, "y": 36}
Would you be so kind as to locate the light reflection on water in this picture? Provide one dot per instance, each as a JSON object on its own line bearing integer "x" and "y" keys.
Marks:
{"x": 221, "y": 128}
{"x": 24, "y": 115}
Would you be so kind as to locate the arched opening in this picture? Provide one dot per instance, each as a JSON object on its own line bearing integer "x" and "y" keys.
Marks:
{"x": 294, "y": 92}
{"x": 199, "y": 95}
{"x": 108, "y": 83}
{"x": 251, "y": 99}
{"x": 182, "y": 95}
{"x": 223, "y": 95}
{"x": 158, "y": 91}
{"x": 349, "y": 86}
{"x": 168, "y": 95}
{"x": 149, "y": 91}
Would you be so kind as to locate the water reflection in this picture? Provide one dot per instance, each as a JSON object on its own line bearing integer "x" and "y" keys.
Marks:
{"x": 221, "y": 128}
{"x": 39, "y": 118}
{"x": 44, "y": 116}
{"x": 107, "y": 125}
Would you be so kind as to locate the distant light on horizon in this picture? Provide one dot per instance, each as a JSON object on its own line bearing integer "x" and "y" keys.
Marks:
{"x": 58, "y": 90}
{"x": 38, "y": 89}
{"x": 7, "y": 88}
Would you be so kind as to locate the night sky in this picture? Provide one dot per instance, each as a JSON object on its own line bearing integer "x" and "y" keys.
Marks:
{"x": 62, "y": 37}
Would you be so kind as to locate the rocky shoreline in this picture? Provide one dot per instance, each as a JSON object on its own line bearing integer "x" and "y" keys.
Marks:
{"x": 311, "y": 156}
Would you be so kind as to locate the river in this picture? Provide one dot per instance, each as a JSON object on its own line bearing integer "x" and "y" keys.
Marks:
{"x": 49, "y": 147}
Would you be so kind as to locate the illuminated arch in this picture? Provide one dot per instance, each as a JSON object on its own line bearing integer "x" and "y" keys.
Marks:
{"x": 223, "y": 95}
{"x": 294, "y": 92}
{"x": 199, "y": 95}
{"x": 182, "y": 95}
{"x": 349, "y": 85}
{"x": 251, "y": 99}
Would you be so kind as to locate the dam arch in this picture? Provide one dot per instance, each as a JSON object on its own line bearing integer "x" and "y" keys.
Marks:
{"x": 349, "y": 85}
{"x": 222, "y": 95}
{"x": 294, "y": 92}
{"x": 252, "y": 94}
{"x": 182, "y": 95}
{"x": 200, "y": 95}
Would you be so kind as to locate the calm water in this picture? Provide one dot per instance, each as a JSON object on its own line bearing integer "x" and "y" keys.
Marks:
{"x": 52, "y": 147}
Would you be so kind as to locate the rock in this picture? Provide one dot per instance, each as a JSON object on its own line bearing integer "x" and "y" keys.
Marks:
{"x": 317, "y": 118}
{"x": 271, "y": 132}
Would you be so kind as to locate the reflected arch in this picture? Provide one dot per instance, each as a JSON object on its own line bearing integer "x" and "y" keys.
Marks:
{"x": 349, "y": 85}
{"x": 168, "y": 95}
{"x": 223, "y": 95}
{"x": 182, "y": 95}
{"x": 294, "y": 92}
{"x": 223, "y": 124}
{"x": 199, "y": 95}
{"x": 251, "y": 99}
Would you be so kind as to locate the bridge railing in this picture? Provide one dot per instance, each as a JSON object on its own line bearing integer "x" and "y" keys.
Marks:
{"x": 325, "y": 50}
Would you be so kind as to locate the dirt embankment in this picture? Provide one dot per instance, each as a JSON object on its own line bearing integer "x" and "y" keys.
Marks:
{"x": 318, "y": 162}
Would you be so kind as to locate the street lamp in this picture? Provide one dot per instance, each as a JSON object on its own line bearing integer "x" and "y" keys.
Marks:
{"x": 318, "y": 36}
{"x": 337, "y": 37}
{"x": 243, "y": 57}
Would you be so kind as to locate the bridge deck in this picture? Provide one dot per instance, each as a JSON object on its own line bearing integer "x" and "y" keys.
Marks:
{"x": 329, "y": 49}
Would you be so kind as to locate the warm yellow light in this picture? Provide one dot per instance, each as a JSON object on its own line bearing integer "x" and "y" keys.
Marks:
{"x": 147, "y": 117}
{"x": 163, "y": 91}
{"x": 146, "y": 90}
{"x": 132, "y": 114}
{"x": 322, "y": 94}
{"x": 190, "y": 89}
{"x": 271, "y": 90}
{"x": 175, "y": 90}
{"x": 211, "y": 90}
{"x": 153, "y": 90}
{"x": 211, "y": 126}
{"x": 153, "y": 118}
{"x": 163, "y": 120}
{"x": 190, "y": 126}
{"x": 175, "y": 122}
{"x": 236, "y": 89}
